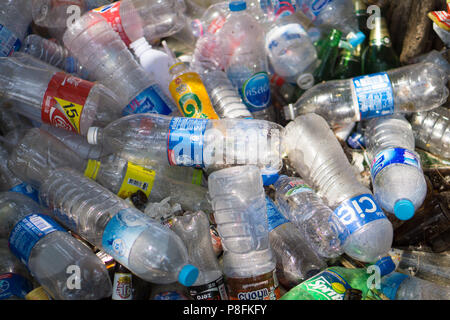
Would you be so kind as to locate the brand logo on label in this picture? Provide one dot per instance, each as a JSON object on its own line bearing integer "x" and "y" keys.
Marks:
{"x": 257, "y": 90}
{"x": 123, "y": 289}
{"x": 318, "y": 5}
{"x": 4, "y": 286}
{"x": 254, "y": 295}
{"x": 332, "y": 291}
{"x": 190, "y": 104}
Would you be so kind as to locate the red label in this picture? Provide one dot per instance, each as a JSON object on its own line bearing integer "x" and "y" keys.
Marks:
{"x": 111, "y": 13}
{"x": 64, "y": 101}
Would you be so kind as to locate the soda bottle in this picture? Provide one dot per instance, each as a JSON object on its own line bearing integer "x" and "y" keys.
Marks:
{"x": 148, "y": 249}
{"x": 238, "y": 201}
{"x": 298, "y": 203}
{"x": 319, "y": 158}
{"x": 397, "y": 177}
{"x": 56, "y": 98}
{"x": 14, "y": 277}
{"x": 296, "y": 260}
{"x": 379, "y": 56}
{"x": 244, "y": 59}
{"x": 432, "y": 131}
{"x": 193, "y": 229}
{"x": 65, "y": 267}
{"x": 376, "y": 94}
{"x": 15, "y": 17}
{"x": 92, "y": 40}
{"x": 150, "y": 138}
{"x": 122, "y": 284}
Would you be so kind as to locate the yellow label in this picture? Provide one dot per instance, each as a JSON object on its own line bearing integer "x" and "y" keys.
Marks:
{"x": 191, "y": 96}
{"x": 92, "y": 169}
{"x": 72, "y": 111}
{"x": 136, "y": 178}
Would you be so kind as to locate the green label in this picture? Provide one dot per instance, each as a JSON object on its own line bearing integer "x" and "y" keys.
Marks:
{"x": 327, "y": 285}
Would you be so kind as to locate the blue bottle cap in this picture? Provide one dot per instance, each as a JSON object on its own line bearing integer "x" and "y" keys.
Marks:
{"x": 269, "y": 179}
{"x": 188, "y": 275}
{"x": 391, "y": 283}
{"x": 237, "y": 5}
{"x": 357, "y": 39}
{"x": 386, "y": 265}
{"x": 404, "y": 209}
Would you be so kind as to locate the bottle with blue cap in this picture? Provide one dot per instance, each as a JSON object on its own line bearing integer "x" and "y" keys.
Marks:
{"x": 399, "y": 286}
{"x": 398, "y": 181}
{"x": 148, "y": 249}
{"x": 314, "y": 151}
{"x": 244, "y": 59}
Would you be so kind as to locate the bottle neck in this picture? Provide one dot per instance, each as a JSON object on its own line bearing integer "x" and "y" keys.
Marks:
{"x": 140, "y": 46}
{"x": 379, "y": 36}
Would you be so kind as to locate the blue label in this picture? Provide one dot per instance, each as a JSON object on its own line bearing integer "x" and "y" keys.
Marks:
{"x": 373, "y": 95}
{"x": 185, "y": 142}
{"x": 9, "y": 43}
{"x": 393, "y": 155}
{"x": 14, "y": 285}
{"x": 357, "y": 212}
{"x": 26, "y": 190}
{"x": 256, "y": 92}
{"x": 122, "y": 231}
{"x": 169, "y": 295}
{"x": 27, "y": 232}
{"x": 274, "y": 216}
{"x": 151, "y": 100}
{"x": 356, "y": 140}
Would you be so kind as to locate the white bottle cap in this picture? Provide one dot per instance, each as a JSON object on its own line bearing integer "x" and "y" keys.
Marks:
{"x": 305, "y": 81}
{"x": 92, "y": 135}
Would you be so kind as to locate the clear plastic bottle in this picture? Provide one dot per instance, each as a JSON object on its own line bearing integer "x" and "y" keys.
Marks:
{"x": 296, "y": 260}
{"x": 397, "y": 177}
{"x": 148, "y": 249}
{"x": 244, "y": 59}
{"x": 314, "y": 152}
{"x": 54, "y": 54}
{"x": 38, "y": 153}
{"x": 290, "y": 51}
{"x": 12, "y": 125}
{"x": 57, "y": 98}
{"x": 106, "y": 57}
{"x": 50, "y": 253}
{"x": 432, "y": 131}
{"x": 413, "y": 88}
{"x": 398, "y": 286}
{"x": 193, "y": 229}
{"x": 238, "y": 200}
{"x": 301, "y": 205}
{"x": 149, "y": 138}
{"x": 15, "y": 280}
{"x": 437, "y": 57}
{"x": 15, "y": 17}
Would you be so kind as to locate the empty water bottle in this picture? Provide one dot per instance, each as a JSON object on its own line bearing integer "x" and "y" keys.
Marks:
{"x": 397, "y": 177}
{"x": 51, "y": 255}
{"x": 148, "y": 249}
{"x": 57, "y": 98}
{"x": 238, "y": 200}
{"x": 413, "y": 88}
{"x": 316, "y": 154}
{"x": 299, "y": 203}
{"x": 432, "y": 131}
{"x": 15, "y": 17}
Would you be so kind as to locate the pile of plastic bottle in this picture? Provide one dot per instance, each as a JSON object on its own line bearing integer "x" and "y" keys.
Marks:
{"x": 208, "y": 150}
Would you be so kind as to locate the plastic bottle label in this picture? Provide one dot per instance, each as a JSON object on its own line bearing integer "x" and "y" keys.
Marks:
{"x": 256, "y": 92}
{"x": 197, "y": 177}
{"x": 64, "y": 101}
{"x": 274, "y": 216}
{"x": 327, "y": 285}
{"x": 372, "y": 96}
{"x": 263, "y": 287}
{"x": 150, "y": 100}
{"x": 14, "y": 285}
{"x": 357, "y": 212}
{"x": 190, "y": 93}
{"x": 391, "y": 156}
{"x": 214, "y": 290}
{"x": 122, "y": 231}
{"x": 170, "y": 295}
{"x": 27, "y": 232}
{"x": 111, "y": 13}
{"x": 9, "y": 43}
{"x": 297, "y": 186}
{"x": 312, "y": 8}
{"x": 122, "y": 289}
{"x": 136, "y": 178}
{"x": 185, "y": 142}
{"x": 71, "y": 65}
{"x": 26, "y": 190}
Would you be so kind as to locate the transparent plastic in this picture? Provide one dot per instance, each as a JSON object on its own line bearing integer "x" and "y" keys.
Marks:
{"x": 15, "y": 16}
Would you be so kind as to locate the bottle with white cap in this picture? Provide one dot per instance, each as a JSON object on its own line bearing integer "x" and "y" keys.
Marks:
{"x": 398, "y": 181}
{"x": 147, "y": 248}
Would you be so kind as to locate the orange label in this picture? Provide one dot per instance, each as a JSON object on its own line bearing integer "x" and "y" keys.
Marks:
{"x": 263, "y": 287}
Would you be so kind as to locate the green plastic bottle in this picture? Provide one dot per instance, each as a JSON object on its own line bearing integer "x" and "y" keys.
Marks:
{"x": 379, "y": 56}
{"x": 332, "y": 284}
{"x": 328, "y": 55}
